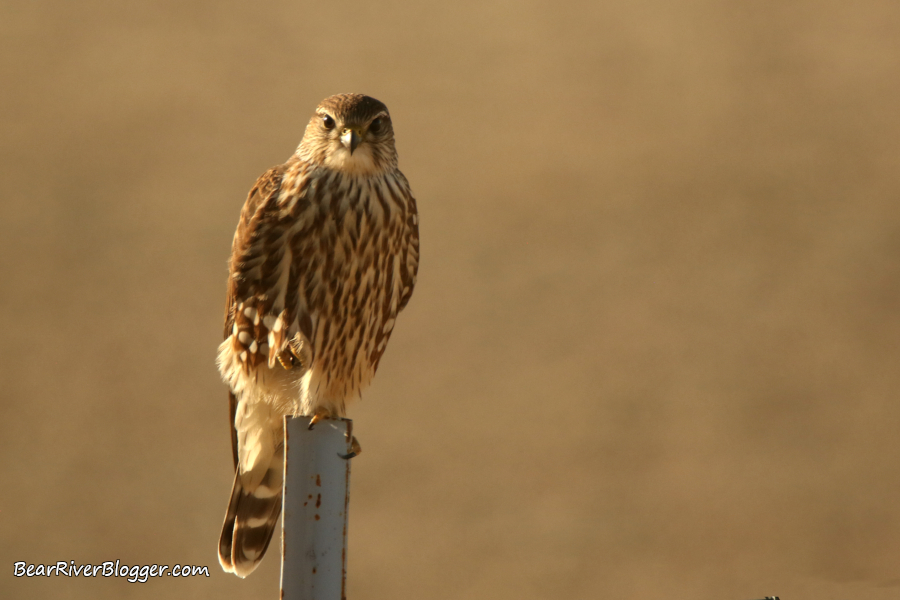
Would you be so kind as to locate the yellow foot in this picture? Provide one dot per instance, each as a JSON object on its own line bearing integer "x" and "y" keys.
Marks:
{"x": 316, "y": 418}
{"x": 288, "y": 359}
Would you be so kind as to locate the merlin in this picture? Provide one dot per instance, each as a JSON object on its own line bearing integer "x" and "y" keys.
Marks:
{"x": 324, "y": 258}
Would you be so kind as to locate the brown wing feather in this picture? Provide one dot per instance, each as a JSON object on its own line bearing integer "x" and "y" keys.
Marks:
{"x": 410, "y": 268}
{"x": 246, "y": 242}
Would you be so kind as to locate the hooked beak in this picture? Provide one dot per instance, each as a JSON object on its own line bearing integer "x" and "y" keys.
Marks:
{"x": 350, "y": 139}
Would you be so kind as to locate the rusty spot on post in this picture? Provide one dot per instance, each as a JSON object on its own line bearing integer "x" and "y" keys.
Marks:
{"x": 344, "y": 573}
{"x": 318, "y": 481}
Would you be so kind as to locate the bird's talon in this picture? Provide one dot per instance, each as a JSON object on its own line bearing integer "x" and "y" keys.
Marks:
{"x": 355, "y": 449}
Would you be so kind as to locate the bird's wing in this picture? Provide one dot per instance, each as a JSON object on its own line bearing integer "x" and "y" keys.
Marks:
{"x": 254, "y": 273}
{"x": 409, "y": 269}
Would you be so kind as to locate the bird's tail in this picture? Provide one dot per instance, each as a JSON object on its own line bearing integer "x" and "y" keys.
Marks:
{"x": 251, "y": 518}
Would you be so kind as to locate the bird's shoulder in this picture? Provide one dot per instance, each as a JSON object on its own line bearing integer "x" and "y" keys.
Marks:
{"x": 266, "y": 188}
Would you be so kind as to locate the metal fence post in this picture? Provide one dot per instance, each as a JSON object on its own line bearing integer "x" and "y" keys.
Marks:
{"x": 316, "y": 499}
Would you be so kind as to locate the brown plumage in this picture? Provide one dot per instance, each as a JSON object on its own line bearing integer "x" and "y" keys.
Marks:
{"x": 324, "y": 258}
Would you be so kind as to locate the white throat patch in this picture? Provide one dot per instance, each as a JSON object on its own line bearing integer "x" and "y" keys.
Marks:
{"x": 359, "y": 163}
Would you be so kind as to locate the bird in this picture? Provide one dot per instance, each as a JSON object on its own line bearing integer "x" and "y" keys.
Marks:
{"x": 324, "y": 258}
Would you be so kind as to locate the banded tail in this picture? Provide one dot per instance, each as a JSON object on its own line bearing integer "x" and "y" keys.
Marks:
{"x": 251, "y": 518}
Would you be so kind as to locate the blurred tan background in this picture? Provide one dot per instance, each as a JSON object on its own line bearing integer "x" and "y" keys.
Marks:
{"x": 653, "y": 351}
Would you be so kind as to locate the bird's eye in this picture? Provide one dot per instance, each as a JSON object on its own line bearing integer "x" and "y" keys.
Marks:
{"x": 327, "y": 122}
{"x": 375, "y": 125}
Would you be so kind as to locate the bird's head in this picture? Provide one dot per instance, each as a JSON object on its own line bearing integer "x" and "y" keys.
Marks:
{"x": 351, "y": 133}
